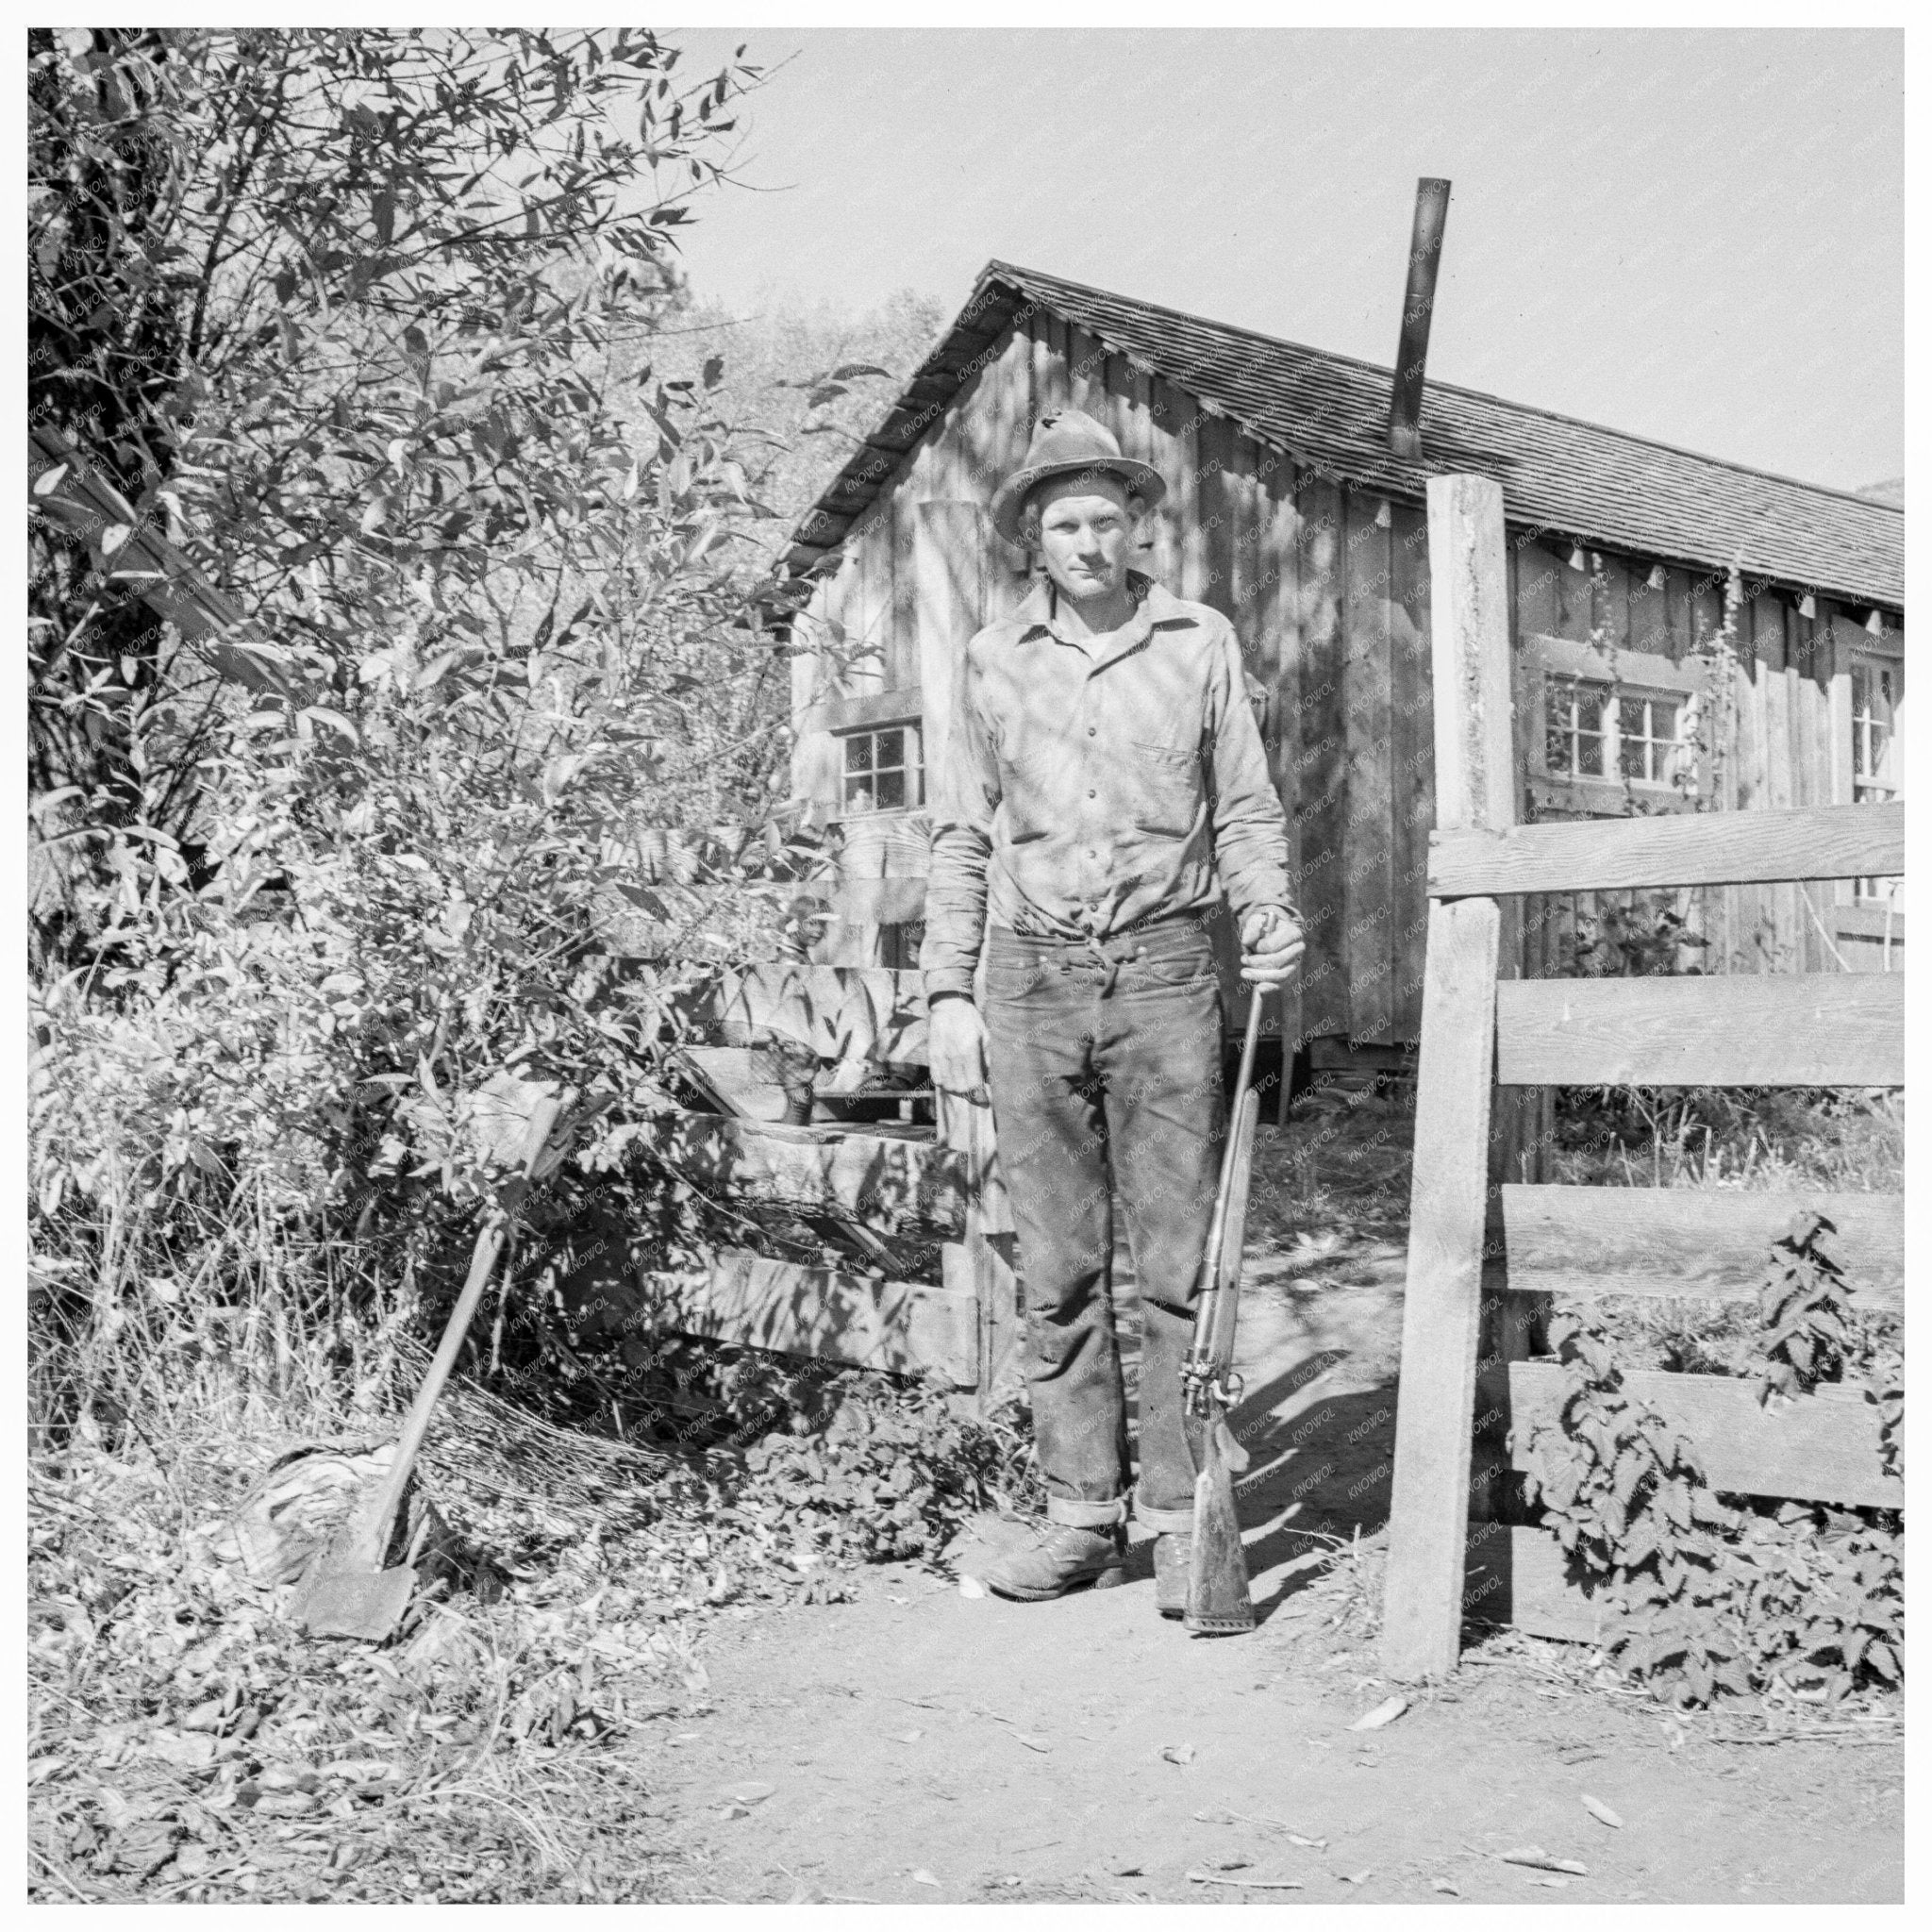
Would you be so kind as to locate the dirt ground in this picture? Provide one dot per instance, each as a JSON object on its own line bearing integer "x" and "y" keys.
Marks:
{"x": 634, "y": 1723}
{"x": 921, "y": 1744}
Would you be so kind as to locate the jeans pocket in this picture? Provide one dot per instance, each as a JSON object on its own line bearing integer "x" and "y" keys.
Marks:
{"x": 1014, "y": 978}
{"x": 1180, "y": 961}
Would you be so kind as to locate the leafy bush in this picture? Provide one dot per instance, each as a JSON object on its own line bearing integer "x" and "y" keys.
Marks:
{"x": 365, "y": 323}
{"x": 1729, "y": 1594}
{"x": 884, "y": 1471}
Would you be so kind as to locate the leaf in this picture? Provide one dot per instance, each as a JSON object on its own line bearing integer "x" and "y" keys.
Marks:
{"x": 191, "y": 1751}
{"x": 1178, "y": 1754}
{"x": 321, "y": 714}
{"x": 1383, "y": 1713}
{"x": 1601, "y": 1812}
{"x": 1253, "y": 1884}
{"x": 1535, "y": 1856}
{"x": 847, "y": 372}
{"x": 922, "y": 1876}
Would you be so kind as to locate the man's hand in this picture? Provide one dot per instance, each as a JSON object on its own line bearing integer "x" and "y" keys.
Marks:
{"x": 955, "y": 1046}
{"x": 1271, "y": 946}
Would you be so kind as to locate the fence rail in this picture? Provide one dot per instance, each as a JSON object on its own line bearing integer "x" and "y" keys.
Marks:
{"x": 1693, "y": 1242}
{"x": 1800, "y": 1029}
{"x": 1684, "y": 849}
{"x": 1480, "y": 1034}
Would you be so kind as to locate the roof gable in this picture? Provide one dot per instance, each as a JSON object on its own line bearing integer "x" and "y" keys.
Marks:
{"x": 1575, "y": 479}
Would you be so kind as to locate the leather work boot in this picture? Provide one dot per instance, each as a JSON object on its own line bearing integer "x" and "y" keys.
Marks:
{"x": 1057, "y": 1557}
{"x": 1173, "y": 1552}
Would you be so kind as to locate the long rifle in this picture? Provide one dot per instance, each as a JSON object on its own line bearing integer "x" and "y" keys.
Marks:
{"x": 1218, "y": 1601}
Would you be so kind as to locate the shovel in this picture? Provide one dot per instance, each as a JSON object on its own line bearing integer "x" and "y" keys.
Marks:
{"x": 346, "y": 1591}
{"x": 1218, "y": 1600}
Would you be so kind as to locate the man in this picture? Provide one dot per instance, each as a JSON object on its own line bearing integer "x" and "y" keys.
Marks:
{"x": 1103, "y": 767}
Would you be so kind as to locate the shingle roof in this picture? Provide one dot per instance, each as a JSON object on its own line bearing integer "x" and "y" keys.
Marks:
{"x": 1575, "y": 479}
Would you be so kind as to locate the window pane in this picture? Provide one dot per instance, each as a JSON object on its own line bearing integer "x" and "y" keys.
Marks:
{"x": 1557, "y": 702}
{"x": 1572, "y": 729}
{"x": 892, "y": 790}
{"x": 1633, "y": 732}
{"x": 858, "y": 794}
{"x": 858, "y": 753}
{"x": 1647, "y": 733}
{"x": 889, "y": 747}
{"x": 1590, "y": 700}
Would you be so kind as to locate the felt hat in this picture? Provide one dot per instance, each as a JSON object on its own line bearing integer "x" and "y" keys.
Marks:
{"x": 1067, "y": 443}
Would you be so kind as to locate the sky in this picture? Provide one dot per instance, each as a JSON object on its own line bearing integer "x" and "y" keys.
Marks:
{"x": 1694, "y": 237}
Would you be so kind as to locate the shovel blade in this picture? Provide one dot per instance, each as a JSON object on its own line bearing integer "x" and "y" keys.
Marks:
{"x": 334, "y": 1601}
{"x": 1218, "y": 1600}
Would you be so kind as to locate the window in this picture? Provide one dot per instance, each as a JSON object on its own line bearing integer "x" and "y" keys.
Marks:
{"x": 1597, "y": 730}
{"x": 1875, "y": 768}
{"x": 1574, "y": 728}
{"x": 1647, "y": 739}
{"x": 883, "y": 770}
{"x": 1877, "y": 715}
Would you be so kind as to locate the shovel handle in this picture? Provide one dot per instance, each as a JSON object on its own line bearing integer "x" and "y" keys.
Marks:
{"x": 490, "y": 1239}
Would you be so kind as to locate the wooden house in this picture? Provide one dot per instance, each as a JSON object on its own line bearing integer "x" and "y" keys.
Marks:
{"x": 1688, "y": 634}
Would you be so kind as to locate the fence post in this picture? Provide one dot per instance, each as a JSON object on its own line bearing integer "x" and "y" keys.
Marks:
{"x": 1475, "y": 785}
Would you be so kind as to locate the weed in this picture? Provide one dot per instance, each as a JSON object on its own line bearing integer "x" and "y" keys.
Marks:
{"x": 1724, "y": 1594}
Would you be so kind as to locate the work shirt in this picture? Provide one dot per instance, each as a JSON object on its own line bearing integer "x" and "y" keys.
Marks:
{"x": 1087, "y": 785}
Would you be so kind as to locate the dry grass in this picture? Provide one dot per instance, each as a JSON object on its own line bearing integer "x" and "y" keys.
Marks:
{"x": 1342, "y": 1162}
{"x": 1766, "y": 1140}
{"x": 185, "y": 1745}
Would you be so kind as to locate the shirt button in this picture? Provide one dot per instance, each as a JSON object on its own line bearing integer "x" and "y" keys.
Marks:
{"x": 1091, "y": 793}
{"x": 1093, "y": 730}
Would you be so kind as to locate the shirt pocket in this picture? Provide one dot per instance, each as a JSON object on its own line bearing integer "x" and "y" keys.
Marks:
{"x": 1161, "y": 786}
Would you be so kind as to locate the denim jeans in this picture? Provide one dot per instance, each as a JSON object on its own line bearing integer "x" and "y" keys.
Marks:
{"x": 1106, "y": 1072}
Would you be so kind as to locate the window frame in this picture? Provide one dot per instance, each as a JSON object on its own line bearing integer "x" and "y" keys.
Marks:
{"x": 914, "y": 766}
{"x": 1860, "y": 895}
{"x": 1547, "y": 663}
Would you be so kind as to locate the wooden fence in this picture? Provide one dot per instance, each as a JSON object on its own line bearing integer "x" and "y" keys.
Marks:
{"x": 1484, "y": 1037}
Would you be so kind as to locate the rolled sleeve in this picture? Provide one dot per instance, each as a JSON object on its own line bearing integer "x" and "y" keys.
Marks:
{"x": 965, "y": 796}
{"x": 1250, "y": 828}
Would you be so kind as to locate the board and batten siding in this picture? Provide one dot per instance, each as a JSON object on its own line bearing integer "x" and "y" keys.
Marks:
{"x": 1327, "y": 587}
{"x": 1775, "y": 730}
